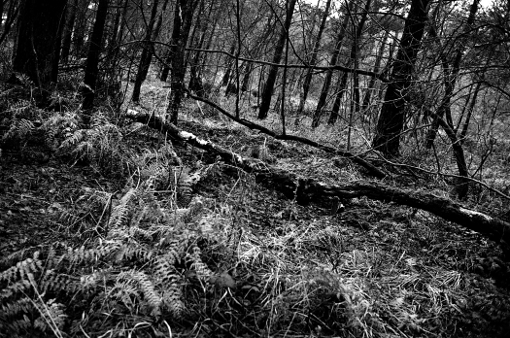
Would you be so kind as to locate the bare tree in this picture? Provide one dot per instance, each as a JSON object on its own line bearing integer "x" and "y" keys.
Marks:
{"x": 329, "y": 73}
{"x": 145, "y": 58}
{"x": 273, "y": 70}
{"x": 391, "y": 119}
{"x": 313, "y": 59}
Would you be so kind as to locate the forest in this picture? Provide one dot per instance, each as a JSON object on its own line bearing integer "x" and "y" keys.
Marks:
{"x": 255, "y": 168}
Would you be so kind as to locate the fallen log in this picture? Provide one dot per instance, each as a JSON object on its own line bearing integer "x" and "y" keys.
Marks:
{"x": 373, "y": 170}
{"x": 306, "y": 190}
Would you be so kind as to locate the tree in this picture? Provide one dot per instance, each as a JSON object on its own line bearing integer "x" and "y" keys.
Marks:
{"x": 182, "y": 23}
{"x": 329, "y": 74}
{"x": 91, "y": 70}
{"x": 38, "y": 45}
{"x": 80, "y": 28}
{"x": 450, "y": 72}
{"x": 313, "y": 59}
{"x": 147, "y": 50}
{"x": 68, "y": 31}
{"x": 392, "y": 117}
{"x": 273, "y": 70}
{"x": 10, "y": 18}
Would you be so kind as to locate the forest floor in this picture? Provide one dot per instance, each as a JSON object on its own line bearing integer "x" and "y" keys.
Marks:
{"x": 366, "y": 269}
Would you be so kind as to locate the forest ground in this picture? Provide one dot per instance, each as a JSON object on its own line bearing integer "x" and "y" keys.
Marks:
{"x": 367, "y": 269}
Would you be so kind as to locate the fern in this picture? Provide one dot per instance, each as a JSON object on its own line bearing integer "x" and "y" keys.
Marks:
{"x": 202, "y": 270}
{"x": 148, "y": 290}
{"x": 121, "y": 210}
{"x": 20, "y": 130}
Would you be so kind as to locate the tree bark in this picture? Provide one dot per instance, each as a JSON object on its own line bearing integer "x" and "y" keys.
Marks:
{"x": 195, "y": 82}
{"x": 68, "y": 32}
{"x": 267, "y": 94}
{"x": 377, "y": 68}
{"x": 145, "y": 58}
{"x": 310, "y": 191}
{"x": 39, "y": 38}
{"x": 11, "y": 15}
{"x": 392, "y": 117}
{"x": 80, "y": 29}
{"x": 329, "y": 74}
{"x": 182, "y": 24}
{"x": 91, "y": 70}
{"x": 313, "y": 60}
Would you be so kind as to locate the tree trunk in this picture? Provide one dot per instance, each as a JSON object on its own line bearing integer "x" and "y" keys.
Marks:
{"x": 1, "y": 13}
{"x": 68, "y": 32}
{"x": 195, "y": 82}
{"x": 465, "y": 126}
{"x": 273, "y": 70}
{"x": 450, "y": 75}
{"x": 313, "y": 60}
{"x": 182, "y": 24}
{"x": 145, "y": 59}
{"x": 80, "y": 29}
{"x": 245, "y": 85}
{"x": 10, "y": 19}
{"x": 355, "y": 107}
{"x": 341, "y": 88}
{"x": 327, "y": 80}
{"x": 91, "y": 71}
{"x": 228, "y": 65}
{"x": 377, "y": 68}
{"x": 39, "y": 38}
{"x": 391, "y": 119}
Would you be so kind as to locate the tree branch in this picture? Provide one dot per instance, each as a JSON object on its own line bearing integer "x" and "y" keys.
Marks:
{"x": 370, "y": 167}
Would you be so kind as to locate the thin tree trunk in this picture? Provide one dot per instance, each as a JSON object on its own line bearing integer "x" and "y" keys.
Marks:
{"x": 451, "y": 75}
{"x": 355, "y": 106}
{"x": 377, "y": 68}
{"x": 391, "y": 119}
{"x": 465, "y": 126}
{"x": 313, "y": 59}
{"x": 195, "y": 82}
{"x": 143, "y": 66}
{"x": 341, "y": 88}
{"x": 273, "y": 70}
{"x": 228, "y": 64}
{"x": 327, "y": 80}
{"x": 92, "y": 71}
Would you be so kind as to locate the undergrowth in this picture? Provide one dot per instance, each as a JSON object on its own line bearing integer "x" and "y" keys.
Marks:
{"x": 192, "y": 248}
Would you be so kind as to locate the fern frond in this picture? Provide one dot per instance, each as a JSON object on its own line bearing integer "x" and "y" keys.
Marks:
{"x": 20, "y": 130}
{"x": 29, "y": 265}
{"x": 16, "y": 288}
{"x": 184, "y": 189}
{"x": 120, "y": 211}
{"x": 15, "y": 308}
{"x": 148, "y": 289}
{"x": 58, "y": 282}
{"x": 172, "y": 299}
{"x": 84, "y": 150}
{"x": 73, "y": 139}
{"x": 52, "y": 316}
{"x": 128, "y": 252}
{"x": 202, "y": 270}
